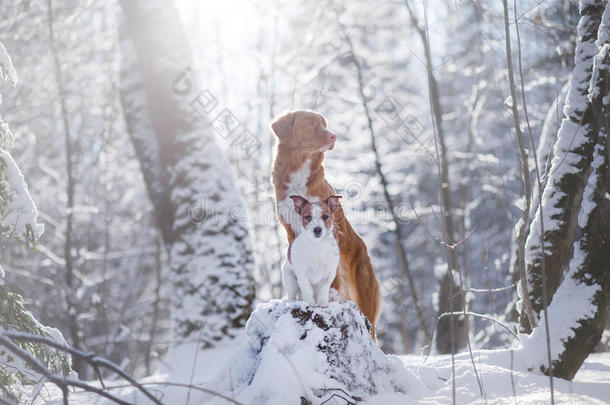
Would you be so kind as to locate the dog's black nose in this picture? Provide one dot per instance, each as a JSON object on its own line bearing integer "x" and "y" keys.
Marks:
{"x": 317, "y": 231}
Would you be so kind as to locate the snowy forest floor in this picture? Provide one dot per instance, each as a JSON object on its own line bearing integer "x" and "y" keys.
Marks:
{"x": 590, "y": 386}
{"x": 501, "y": 385}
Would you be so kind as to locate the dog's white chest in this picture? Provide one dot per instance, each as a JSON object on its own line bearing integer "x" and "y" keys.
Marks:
{"x": 297, "y": 186}
{"x": 317, "y": 258}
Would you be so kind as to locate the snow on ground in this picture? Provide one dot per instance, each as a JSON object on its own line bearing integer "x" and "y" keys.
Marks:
{"x": 590, "y": 386}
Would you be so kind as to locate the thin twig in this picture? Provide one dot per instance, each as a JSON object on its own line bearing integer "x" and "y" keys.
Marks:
{"x": 347, "y": 401}
{"x": 189, "y": 386}
{"x": 436, "y": 238}
{"x": 544, "y": 286}
{"x": 512, "y": 375}
{"x": 483, "y": 316}
{"x": 491, "y": 290}
{"x": 39, "y": 391}
{"x": 351, "y": 401}
{"x": 525, "y": 176}
{"x": 194, "y": 366}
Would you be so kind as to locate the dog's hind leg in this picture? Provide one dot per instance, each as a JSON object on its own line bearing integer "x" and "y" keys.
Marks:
{"x": 367, "y": 294}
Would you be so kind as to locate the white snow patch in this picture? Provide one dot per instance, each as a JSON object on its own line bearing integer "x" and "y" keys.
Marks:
{"x": 7, "y": 71}
{"x": 572, "y": 302}
{"x": 21, "y": 215}
{"x": 576, "y": 101}
{"x": 589, "y": 193}
{"x": 571, "y": 135}
{"x": 520, "y": 203}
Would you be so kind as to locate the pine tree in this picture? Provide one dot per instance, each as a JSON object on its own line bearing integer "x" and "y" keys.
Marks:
{"x": 18, "y": 221}
{"x": 189, "y": 181}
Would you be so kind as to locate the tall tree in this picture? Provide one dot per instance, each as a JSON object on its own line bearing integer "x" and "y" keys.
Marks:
{"x": 112, "y": 238}
{"x": 580, "y": 177}
{"x": 71, "y": 310}
{"x": 568, "y": 175}
{"x": 452, "y": 331}
{"x": 189, "y": 182}
{"x": 19, "y": 222}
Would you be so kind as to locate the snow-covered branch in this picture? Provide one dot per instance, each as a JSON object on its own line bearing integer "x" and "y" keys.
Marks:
{"x": 95, "y": 361}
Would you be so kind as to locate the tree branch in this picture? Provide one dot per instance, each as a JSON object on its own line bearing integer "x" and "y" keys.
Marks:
{"x": 87, "y": 357}
{"x": 62, "y": 382}
{"x": 525, "y": 177}
{"x": 483, "y": 316}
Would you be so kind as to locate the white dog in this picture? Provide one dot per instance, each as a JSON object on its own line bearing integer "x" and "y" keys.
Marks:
{"x": 313, "y": 256}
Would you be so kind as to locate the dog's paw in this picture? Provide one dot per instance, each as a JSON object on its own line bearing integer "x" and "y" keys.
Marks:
{"x": 333, "y": 295}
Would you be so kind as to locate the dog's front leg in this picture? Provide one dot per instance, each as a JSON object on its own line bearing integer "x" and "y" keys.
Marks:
{"x": 306, "y": 288}
{"x": 323, "y": 293}
{"x": 290, "y": 281}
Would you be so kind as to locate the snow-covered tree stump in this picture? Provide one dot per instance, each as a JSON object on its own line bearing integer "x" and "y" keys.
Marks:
{"x": 298, "y": 354}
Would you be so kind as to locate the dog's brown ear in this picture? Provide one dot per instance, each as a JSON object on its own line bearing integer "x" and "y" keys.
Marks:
{"x": 333, "y": 202}
{"x": 299, "y": 202}
{"x": 283, "y": 126}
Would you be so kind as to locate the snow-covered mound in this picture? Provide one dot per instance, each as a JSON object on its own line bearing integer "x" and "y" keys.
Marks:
{"x": 298, "y": 354}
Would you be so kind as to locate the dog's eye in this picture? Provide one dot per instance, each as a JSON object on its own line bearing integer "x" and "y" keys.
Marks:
{"x": 307, "y": 217}
{"x": 324, "y": 217}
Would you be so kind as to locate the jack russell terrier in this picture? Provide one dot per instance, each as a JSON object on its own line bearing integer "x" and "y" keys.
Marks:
{"x": 313, "y": 256}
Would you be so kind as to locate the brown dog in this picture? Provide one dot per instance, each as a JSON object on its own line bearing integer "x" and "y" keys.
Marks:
{"x": 298, "y": 170}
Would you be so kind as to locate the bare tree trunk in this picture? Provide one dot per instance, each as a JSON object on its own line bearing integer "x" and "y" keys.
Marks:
{"x": 402, "y": 253}
{"x": 71, "y": 309}
{"x": 528, "y": 321}
{"x": 190, "y": 183}
{"x": 156, "y": 304}
{"x": 464, "y": 192}
{"x": 452, "y": 331}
